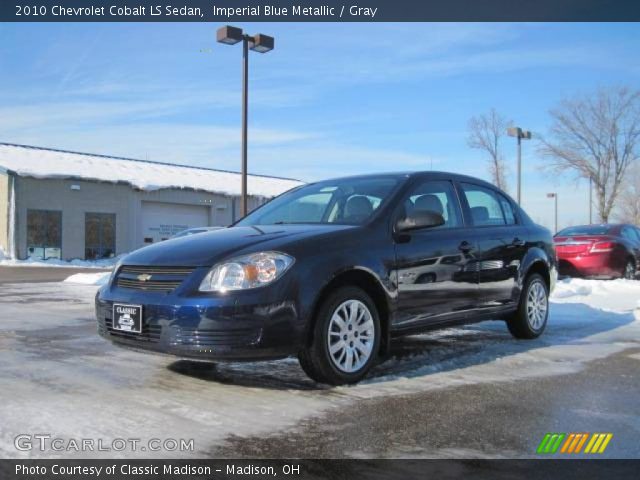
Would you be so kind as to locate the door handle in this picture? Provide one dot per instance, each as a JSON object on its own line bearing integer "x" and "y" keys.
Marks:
{"x": 518, "y": 243}
{"x": 465, "y": 247}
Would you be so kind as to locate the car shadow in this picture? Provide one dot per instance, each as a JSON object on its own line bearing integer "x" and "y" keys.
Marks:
{"x": 422, "y": 355}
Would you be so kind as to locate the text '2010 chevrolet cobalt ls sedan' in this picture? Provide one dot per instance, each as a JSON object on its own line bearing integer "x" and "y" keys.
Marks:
{"x": 333, "y": 271}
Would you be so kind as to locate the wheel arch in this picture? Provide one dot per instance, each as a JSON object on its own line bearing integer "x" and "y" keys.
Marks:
{"x": 536, "y": 261}
{"x": 369, "y": 282}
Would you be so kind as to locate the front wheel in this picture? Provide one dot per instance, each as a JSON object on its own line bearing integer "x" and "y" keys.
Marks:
{"x": 346, "y": 338}
{"x": 530, "y": 320}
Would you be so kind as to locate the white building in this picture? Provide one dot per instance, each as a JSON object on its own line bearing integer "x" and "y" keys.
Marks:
{"x": 59, "y": 204}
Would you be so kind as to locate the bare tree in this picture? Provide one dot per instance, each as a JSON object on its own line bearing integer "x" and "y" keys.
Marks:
{"x": 485, "y": 132}
{"x": 628, "y": 206}
{"x": 596, "y": 137}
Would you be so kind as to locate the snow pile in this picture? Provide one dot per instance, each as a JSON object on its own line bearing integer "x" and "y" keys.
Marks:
{"x": 100, "y": 278}
{"x": 571, "y": 287}
{"x": 619, "y": 295}
{"x": 43, "y": 163}
{"x": 2, "y": 254}
{"x": 54, "y": 262}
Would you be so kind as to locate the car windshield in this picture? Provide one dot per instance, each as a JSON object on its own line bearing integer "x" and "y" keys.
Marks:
{"x": 584, "y": 230}
{"x": 349, "y": 201}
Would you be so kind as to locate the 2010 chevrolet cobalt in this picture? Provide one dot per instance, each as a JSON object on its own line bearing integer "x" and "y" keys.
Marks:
{"x": 332, "y": 271}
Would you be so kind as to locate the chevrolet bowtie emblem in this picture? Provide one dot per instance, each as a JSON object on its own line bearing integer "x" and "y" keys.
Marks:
{"x": 144, "y": 277}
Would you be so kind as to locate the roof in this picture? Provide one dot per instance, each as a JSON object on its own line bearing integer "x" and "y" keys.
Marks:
{"x": 37, "y": 162}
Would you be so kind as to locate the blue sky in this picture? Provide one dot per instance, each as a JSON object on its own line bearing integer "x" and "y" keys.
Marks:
{"x": 330, "y": 100}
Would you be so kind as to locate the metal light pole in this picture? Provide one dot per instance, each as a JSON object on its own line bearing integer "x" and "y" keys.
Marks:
{"x": 590, "y": 199}
{"x": 258, "y": 43}
{"x": 555, "y": 197}
{"x": 520, "y": 135}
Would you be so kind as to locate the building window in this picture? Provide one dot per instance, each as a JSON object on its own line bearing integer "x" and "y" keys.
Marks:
{"x": 44, "y": 234}
{"x": 99, "y": 235}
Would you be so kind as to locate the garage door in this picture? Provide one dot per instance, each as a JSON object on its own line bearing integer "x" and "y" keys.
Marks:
{"x": 161, "y": 221}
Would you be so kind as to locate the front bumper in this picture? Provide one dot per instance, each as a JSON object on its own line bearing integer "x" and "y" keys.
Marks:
{"x": 250, "y": 325}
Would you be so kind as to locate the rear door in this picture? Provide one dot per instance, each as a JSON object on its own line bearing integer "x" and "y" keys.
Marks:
{"x": 502, "y": 242}
{"x": 434, "y": 278}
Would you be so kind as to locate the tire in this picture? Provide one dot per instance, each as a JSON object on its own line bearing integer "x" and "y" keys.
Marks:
{"x": 530, "y": 320}
{"x": 356, "y": 339}
{"x": 629, "y": 271}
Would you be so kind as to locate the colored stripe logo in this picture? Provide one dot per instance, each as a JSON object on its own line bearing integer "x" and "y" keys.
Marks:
{"x": 573, "y": 443}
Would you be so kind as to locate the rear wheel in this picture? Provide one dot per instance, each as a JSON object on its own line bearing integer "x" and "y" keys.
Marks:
{"x": 346, "y": 338}
{"x": 629, "y": 270}
{"x": 530, "y": 320}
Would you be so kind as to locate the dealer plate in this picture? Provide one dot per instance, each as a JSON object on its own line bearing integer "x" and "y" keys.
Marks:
{"x": 127, "y": 318}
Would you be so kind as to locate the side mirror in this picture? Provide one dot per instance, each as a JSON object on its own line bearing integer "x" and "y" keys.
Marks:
{"x": 420, "y": 219}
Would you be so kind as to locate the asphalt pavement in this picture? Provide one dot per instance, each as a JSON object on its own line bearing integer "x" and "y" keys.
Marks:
{"x": 471, "y": 392}
{"x": 480, "y": 421}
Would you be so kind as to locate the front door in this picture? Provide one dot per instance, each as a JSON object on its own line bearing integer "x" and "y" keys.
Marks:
{"x": 436, "y": 272}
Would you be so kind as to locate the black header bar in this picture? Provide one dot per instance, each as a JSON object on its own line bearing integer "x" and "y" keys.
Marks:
{"x": 227, "y": 11}
{"x": 542, "y": 469}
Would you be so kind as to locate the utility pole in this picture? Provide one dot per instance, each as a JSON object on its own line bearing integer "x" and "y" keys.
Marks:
{"x": 555, "y": 198}
{"x": 590, "y": 199}
{"x": 520, "y": 135}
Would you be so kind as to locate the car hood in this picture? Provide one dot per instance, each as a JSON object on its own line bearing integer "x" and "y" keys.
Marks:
{"x": 205, "y": 249}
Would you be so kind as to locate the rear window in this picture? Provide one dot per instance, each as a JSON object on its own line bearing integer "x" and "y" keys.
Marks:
{"x": 585, "y": 230}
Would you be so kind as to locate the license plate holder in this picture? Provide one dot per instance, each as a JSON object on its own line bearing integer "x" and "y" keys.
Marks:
{"x": 127, "y": 318}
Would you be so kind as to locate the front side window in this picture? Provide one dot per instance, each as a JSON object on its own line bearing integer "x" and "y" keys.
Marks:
{"x": 99, "y": 235}
{"x": 484, "y": 205}
{"x": 44, "y": 234}
{"x": 435, "y": 196}
{"x": 349, "y": 201}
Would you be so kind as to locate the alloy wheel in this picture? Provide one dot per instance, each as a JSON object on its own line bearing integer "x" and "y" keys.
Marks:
{"x": 537, "y": 305}
{"x": 351, "y": 336}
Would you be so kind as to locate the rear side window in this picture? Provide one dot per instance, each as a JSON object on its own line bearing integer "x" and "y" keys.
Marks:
{"x": 630, "y": 233}
{"x": 485, "y": 206}
{"x": 507, "y": 209}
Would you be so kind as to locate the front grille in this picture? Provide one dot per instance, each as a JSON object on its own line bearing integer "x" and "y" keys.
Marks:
{"x": 203, "y": 337}
{"x": 187, "y": 337}
{"x": 158, "y": 279}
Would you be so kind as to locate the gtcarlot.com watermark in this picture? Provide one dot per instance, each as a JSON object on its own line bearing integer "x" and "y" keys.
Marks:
{"x": 45, "y": 442}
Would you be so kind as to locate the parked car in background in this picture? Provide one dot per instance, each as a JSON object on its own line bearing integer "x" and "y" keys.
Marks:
{"x": 193, "y": 231}
{"x": 599, "y": 251}
{"x": 332, "y": 271}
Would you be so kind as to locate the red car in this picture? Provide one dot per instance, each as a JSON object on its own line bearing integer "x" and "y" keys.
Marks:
{"x": 599, "y": 251}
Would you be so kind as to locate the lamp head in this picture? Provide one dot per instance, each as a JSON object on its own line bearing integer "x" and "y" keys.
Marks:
{"x": 229, "y": 35}
{"x": 262, "y": 43}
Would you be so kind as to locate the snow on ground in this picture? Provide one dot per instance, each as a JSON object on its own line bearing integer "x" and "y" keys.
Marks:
{"x": 54, "y": 262}
{"x": 47, "y": 163}
{"x": 619, "y": 295}
{"x": 99, "y": 279}
{"x": 2, "y": 254}
{"x": 66, "y": 380}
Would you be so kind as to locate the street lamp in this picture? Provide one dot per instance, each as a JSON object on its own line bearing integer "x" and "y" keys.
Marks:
{"x": 520, "y": 135}
{"x": 590, "y": 199}
{"x": 555, "y": 197}
{"x": 258, "y": 43}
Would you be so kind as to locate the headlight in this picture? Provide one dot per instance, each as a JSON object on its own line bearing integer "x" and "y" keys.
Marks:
{"x": 114, "y": 271}
{"x": 249, "y": 271}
